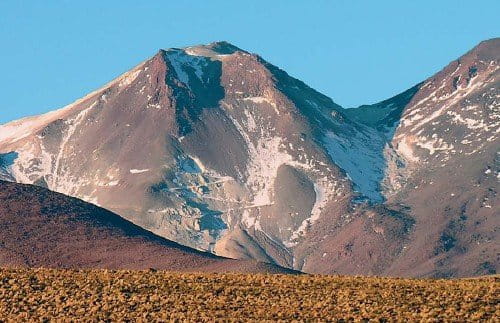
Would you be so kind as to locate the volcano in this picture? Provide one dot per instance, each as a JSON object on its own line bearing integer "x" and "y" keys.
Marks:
{"x": 216, "y": 149}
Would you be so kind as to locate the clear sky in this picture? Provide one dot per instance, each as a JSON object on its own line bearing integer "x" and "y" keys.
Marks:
{"x": 357, "y": 52}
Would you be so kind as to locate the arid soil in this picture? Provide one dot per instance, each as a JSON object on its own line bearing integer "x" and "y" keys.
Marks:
{"x": 45, "y": 294}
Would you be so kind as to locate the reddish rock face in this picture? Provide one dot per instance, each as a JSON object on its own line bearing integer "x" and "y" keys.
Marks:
{"x": 41, "y": 228}
{"x": 216, "y": 149}
{"x": 447, "y": 175}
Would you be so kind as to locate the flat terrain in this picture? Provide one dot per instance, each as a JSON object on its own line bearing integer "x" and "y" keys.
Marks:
{"x": 27, "y": 294}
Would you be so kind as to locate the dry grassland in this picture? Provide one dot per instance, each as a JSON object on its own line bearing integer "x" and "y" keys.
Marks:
{"x": 44, "y": 294}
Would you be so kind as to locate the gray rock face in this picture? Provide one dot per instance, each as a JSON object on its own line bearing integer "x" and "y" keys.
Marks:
{"x": 214, "y": 148}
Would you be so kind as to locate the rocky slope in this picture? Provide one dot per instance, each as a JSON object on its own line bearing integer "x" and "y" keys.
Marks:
{"x": 446, "y": 131}
{"x": 41, "y": 228}
{"x": 215, "y": 148}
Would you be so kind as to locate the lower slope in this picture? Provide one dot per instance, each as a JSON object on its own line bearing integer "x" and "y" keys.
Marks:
{"x": 40, "y": 228}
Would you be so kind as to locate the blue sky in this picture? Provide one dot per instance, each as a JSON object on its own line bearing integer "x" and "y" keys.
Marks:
{"x": 53, "y": 52}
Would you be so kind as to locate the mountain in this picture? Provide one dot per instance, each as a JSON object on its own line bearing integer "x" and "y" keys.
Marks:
{"x": 446, "y": 131}
{"x": 215, "y": 148}
{"x": 41, "y": 228}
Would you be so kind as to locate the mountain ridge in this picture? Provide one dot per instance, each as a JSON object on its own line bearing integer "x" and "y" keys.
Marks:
{"x": 219, "y": 150}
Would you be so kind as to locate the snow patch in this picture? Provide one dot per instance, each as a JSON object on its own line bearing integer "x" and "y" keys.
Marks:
{"x": 129, "y": 77}
{"x": 358, "y": 157}
{"x": 59, "y": 179}
{"x": 470, "y": 123}
{"x": 182, "y": 61}
{"x": 433, "y": 144}
{"x": 138, "y": 171}
{"x": 404, "y": 148}
{"x": 260, "y": 100}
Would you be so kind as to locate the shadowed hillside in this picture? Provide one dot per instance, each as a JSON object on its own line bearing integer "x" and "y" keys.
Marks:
{"x": 41, "y": 228}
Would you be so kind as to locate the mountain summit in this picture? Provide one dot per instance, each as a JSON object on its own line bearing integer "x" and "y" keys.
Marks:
{"x": 215, "y": 148}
